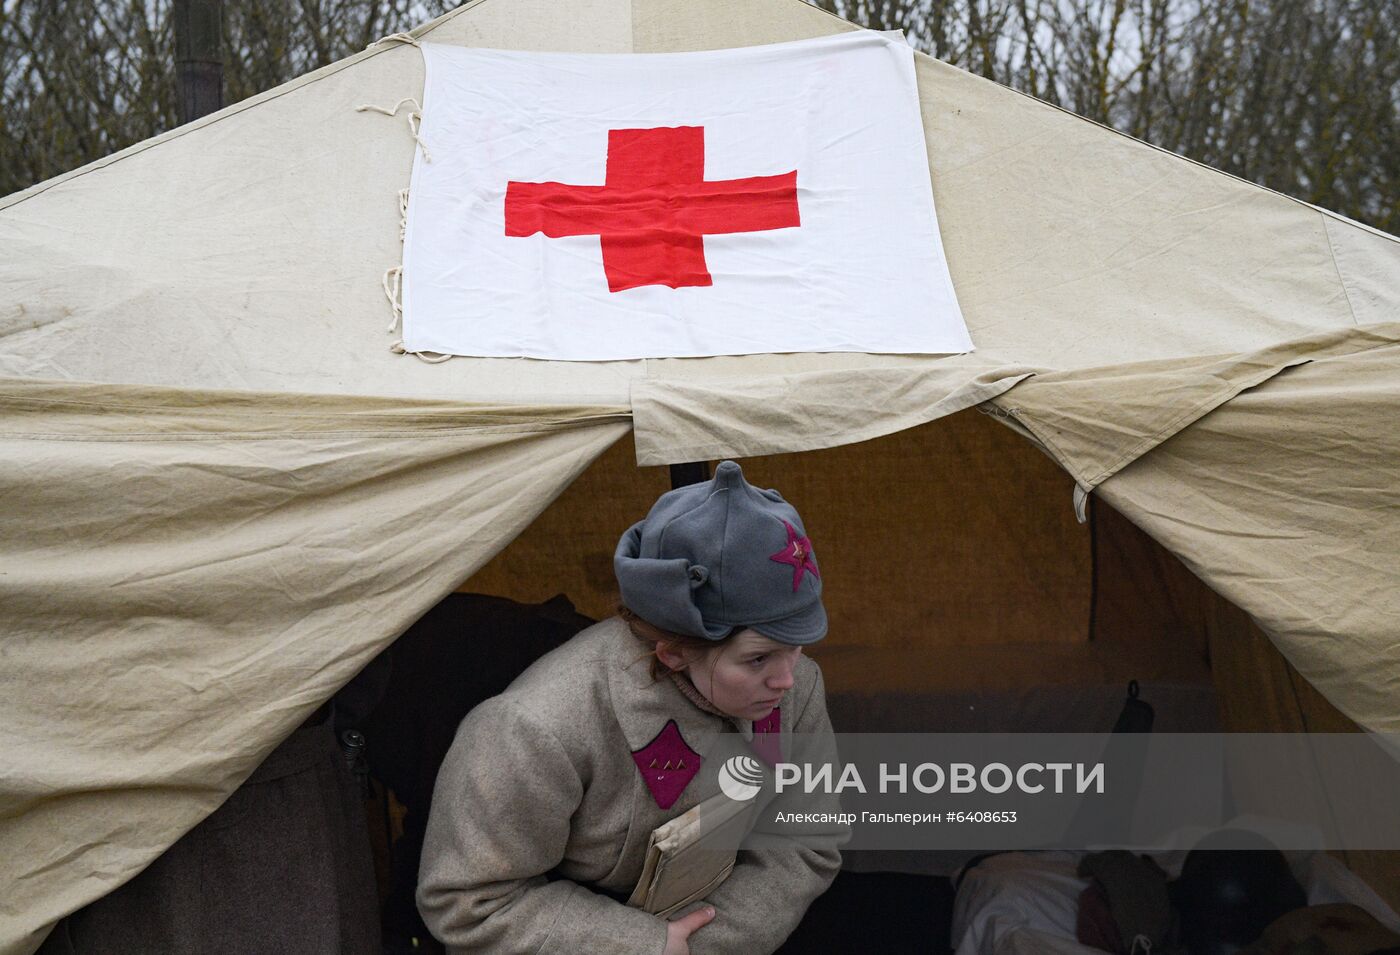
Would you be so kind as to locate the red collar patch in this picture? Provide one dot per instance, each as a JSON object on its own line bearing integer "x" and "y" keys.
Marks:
{"x": 767, "y": 735}
{"x": 667, "y": 764}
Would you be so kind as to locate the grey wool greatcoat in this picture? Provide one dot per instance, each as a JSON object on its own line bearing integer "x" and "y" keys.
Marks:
{"x": 541, "y": 816}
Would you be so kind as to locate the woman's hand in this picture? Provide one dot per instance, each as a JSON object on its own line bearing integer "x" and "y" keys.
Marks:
{"x": 678, "y": 932}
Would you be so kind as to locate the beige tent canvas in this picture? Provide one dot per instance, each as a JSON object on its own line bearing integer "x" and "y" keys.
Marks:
{"x": 224, "y": 493}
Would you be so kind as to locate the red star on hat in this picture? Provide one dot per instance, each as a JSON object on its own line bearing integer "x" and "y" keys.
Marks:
{"x": 798, "y": 553}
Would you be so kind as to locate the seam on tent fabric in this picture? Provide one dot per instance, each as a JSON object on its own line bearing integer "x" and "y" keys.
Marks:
{"x": 1346, "y": 292}
{"x": 499, "y": 404}
{"x": 1127, "y": 136}
{"x": 387, "y": 416}
{"x": 378, "y": 423}
{"x": 165, "y": 436}
{"x": 370, "y": 422}
{"x": 233, "y": 109}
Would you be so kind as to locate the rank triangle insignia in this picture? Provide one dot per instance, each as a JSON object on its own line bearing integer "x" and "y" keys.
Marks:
{"x": 678, "y": 764}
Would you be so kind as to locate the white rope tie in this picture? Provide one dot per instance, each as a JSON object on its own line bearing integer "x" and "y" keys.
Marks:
{"x": 387, "y": 110}
{"x": 393, "y": 289}
{"x": 431, "y": 358}
{"x": 408, "y": 38}
{"x": 392, "y": 281}
{"x": 415, "y": 124}
{"x": 1141, "y": 943}
{"x": 415, "y": 120}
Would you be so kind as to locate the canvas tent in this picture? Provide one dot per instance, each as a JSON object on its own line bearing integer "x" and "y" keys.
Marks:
{"x": 223, "y": 493}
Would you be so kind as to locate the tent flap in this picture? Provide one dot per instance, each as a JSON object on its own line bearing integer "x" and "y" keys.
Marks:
{"x": 1284, "y": 501}
{"x": 1097, "y": 421}
{"x": 680, "y": 420}
{"x": 187, "y": 575}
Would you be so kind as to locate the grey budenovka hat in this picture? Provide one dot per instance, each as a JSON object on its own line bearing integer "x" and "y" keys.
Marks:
{"x": 723, "y": 554}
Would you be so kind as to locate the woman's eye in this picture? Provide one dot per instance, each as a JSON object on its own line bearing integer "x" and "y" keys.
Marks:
{"x": 758, "y": 661}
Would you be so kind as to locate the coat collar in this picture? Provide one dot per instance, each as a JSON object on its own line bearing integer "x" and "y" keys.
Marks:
{"x": 643, "y": 705}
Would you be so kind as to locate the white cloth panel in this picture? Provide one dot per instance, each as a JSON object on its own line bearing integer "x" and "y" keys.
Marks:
{"x": 596, "y": 207}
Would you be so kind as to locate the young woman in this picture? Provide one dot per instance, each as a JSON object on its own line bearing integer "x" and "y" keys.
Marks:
{"x": 544, "y": 807}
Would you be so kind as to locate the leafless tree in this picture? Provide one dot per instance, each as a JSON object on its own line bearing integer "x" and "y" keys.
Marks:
{"x": 1302, "y": 96}
{"x": 83, "y": 78}
{"x": 79, "y": 81}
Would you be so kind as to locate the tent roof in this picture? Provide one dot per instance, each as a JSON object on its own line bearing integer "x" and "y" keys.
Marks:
{"x": 246, "y": 250}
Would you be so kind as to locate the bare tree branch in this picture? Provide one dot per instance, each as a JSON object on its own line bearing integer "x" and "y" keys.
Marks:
{"x": 1299, "y": 95}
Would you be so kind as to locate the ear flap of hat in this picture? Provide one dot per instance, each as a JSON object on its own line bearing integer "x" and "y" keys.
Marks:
{"x": 658, "y": 591}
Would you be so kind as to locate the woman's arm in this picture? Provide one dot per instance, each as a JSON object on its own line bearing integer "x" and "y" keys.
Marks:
{"x": 499, "y": 822}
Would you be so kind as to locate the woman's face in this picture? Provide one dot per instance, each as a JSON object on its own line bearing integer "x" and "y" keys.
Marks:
{"x": 747, "y": 676}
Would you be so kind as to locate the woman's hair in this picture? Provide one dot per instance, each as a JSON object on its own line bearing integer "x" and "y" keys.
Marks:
{"x": 650, "y": 635}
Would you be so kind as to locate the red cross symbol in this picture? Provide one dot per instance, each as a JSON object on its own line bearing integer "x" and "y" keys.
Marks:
{"x": 655, "y": 208}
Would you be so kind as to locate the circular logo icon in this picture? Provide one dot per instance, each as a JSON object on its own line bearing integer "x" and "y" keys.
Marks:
{"x": 740, "y": 778}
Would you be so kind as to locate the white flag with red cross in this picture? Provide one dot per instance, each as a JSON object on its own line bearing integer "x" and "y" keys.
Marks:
{"x": 589, "y": 207}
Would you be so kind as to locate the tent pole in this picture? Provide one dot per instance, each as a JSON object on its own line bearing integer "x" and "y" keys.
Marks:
{"x": 692, "y": 472}
{"x": 199, "y": 65}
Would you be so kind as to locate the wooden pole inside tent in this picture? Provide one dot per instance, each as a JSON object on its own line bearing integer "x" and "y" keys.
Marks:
{"x": 692, "y": 472}
{"x": 199, "y": 65}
